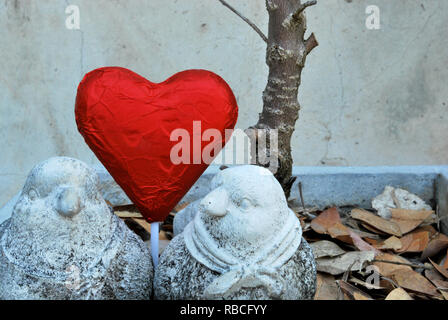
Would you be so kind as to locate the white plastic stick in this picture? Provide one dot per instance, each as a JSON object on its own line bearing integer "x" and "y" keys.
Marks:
{"x": 155, "y": 243}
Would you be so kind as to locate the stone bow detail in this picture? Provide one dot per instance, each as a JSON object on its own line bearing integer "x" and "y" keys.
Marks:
{"x": 254, "y": 271}
{"x": 246, "y": 277}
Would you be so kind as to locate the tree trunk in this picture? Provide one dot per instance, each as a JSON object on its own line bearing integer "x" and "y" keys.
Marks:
{"x": 285, "y": 56}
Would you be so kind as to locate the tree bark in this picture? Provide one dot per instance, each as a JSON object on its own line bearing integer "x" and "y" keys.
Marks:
{"x": 285, "y": 56}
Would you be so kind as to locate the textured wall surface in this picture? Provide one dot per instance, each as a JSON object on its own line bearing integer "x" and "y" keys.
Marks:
{"x": 369, "y": 97}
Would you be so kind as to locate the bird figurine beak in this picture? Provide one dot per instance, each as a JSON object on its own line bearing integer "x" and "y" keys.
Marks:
{"x": 215, "y": 203}
{"x": 68, "y": 203}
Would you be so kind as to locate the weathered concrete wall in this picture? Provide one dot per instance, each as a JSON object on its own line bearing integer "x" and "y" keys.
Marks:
{"x": 369, "y": 97}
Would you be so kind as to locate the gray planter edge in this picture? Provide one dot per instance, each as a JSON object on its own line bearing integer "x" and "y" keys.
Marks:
{"x": 322, "y": 186}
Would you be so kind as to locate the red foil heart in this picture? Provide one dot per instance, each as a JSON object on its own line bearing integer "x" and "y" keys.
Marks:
{"x": 127, "y": 121}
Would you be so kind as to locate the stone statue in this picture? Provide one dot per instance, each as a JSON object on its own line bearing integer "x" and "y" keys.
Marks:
{"x": 185, "y": 216}
{"x": 244, "y": 243}
{"x": 63, "y": 242}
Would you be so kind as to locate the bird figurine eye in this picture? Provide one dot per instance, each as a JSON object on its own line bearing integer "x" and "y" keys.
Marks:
{"x": 32, "y": 195}
{"x": 245, "y": 204}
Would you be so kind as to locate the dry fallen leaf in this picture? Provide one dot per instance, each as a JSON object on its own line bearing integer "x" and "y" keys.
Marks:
{"x": 364, "y": 234}
{"x": 430, "y": 229}
{"x": 302, "y": 222}
{"x": 388, "y": 269}
{"x": 442, "y": 271}
{"x": 361, "y": 244}
{"x": 391, "y": 243}
{"x": 340, "y": 232}
{"x": 361, "y": 296}
{"x": 398, "y": 294}
{"x": 329, "y": 222}
{"x": 128, "y": 214}
{"x": 162, "y": 235}
{"x": 145, "y": 224}
{"x": 408, "y": 231}
{"x": 445, "y": 264}
{"x": 353, "y": 292}
{"x": 436, "y": 244}
{"x": 435, "y": 277}
{"x": 408, "y": 220}
{"x": 306, "y": 227}
{"x": 372, "y": 229}
{"x": 340, "y": 264}
{"x": 388, "y": 284}
{"x": 377, "y": 222}
{"x": 414, "y": 281}
{"x": 415, "y": 241}
{"x": 326, "y": 248}
{"x": 444, "y": 293}
{"x": 325, "y": 220}
{"x": 373, "y": 242}
{"x": 326, "y": 287}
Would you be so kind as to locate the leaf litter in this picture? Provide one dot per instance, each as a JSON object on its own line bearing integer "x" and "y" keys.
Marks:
{"x": 394, "y": 252}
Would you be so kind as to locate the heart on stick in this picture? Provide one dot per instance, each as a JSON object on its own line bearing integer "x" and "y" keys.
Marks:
{"x": 152, "y": 137}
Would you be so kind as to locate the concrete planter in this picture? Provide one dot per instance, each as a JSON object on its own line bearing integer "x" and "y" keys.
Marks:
{"x": 356, "y": 186}
{"x": 343, "y": 186}
{"x": 326, "y": 186}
